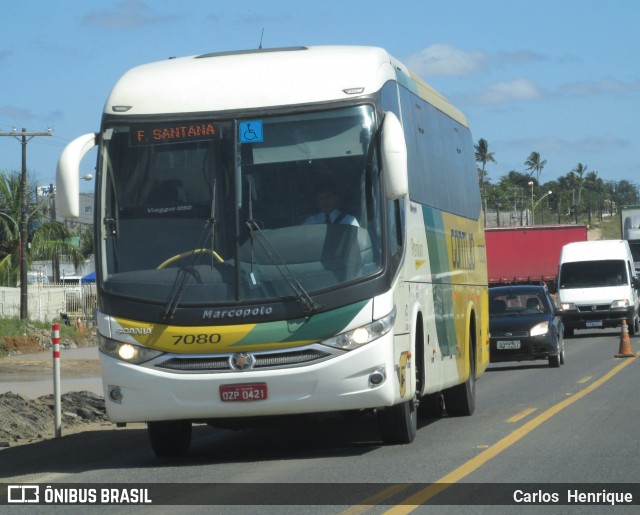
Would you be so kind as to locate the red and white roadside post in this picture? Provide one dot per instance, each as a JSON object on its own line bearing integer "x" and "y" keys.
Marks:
{"x": 55, "y": 340}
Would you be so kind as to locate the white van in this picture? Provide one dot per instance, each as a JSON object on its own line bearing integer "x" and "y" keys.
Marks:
{"x": 597, "y": 286}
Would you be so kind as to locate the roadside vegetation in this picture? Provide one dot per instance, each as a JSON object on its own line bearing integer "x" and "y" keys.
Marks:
{"x": 21, "y": 335}
{"x": 609, "y": 227}
{"x": 579, "y": 196}
{"x": 48, "y": 239}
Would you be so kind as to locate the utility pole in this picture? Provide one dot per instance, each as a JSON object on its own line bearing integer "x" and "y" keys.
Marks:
{"x": 24, "y": 137}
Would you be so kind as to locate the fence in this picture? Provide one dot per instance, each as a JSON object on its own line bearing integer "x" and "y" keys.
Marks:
{"x": 47, "y": 301}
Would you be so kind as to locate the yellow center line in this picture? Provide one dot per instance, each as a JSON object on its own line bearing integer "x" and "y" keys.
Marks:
{"x": 375, "y": 499}
{"x": 521, "y": 415}
{"x": 414, "y": 501}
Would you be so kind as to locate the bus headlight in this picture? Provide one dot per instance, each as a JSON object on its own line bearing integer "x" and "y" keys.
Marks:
{"x": 126, "y": 351}
{"x": 362, "y": 335}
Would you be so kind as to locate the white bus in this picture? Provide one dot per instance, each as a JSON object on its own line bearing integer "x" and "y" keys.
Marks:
{"x": 221, "y": 298}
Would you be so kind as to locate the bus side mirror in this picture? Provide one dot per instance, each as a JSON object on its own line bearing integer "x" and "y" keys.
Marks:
{"x": 393, "y": 149}
{"x": 68, "y": 175}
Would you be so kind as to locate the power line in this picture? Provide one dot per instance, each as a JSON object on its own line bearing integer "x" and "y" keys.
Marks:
{"x": 24, "y": 137}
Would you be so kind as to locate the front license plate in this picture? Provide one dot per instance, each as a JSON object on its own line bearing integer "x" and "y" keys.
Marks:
{"x": 508, "y": 344}
{"x": 243, "y": 392}
{"x": 594, "y": 323}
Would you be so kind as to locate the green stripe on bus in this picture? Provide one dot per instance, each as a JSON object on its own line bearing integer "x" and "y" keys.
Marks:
{"x": 314, "y": 328}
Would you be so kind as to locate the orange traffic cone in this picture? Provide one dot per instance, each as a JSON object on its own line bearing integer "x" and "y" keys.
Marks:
{"x": 625, "y": 350}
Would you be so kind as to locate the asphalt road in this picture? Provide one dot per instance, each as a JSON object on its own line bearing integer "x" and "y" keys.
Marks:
{"x": 534, "y": 426}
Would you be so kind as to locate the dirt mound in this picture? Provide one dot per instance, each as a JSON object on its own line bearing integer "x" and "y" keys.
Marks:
{"x": 38, "y": 340}
{"x": 24, "y": 420}
{"x": 20, "y": 344}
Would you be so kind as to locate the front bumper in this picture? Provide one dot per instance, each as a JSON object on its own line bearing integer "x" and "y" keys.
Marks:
{"x": 531, "y": 348}
{"x": 596, "y": 317}
{"x": 340, "y": 383}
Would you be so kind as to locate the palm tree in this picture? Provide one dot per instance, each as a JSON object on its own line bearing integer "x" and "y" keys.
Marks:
{"x": 53, "y": 240}
{"x": 483, "y": 156}
{"x": 535, "y": 164}
{"x": 49, "y": 240}
{"x": 9, "y": 229}
{"x": 580, "y": 170}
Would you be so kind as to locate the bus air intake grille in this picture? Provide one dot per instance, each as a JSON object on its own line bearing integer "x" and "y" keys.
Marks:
{"x": 196, "y": 364}
{"x": 263, "y": 361}
{"x": 288, "y": 358}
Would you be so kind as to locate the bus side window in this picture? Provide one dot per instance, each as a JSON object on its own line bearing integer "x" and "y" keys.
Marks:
{"x": 395, "y": 224}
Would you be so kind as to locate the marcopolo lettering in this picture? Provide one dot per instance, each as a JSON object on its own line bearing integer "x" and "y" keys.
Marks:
{"x": 212, "y": 314}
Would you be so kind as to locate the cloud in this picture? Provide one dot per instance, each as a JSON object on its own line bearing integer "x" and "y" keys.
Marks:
{"x": 522, "y": 89}
{"x": 552, "y": 144}
{"x": 604, "y": 86}
{"x": 442, "y": 59}
{"x": 16, "y": 113}
{"x": 518, "y": 57}
{"x": 127, "y": 14}
{"x": 504, "y": 92}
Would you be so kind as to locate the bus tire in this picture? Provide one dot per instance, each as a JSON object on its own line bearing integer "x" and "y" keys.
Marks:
{"x": 398, "y": 424}
{"x": 170, "y": 439}
{"x": 460, "y": 400}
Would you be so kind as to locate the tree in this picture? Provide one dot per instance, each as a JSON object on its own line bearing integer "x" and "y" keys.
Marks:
{"x": 483, "y": 156}
{"x": 9, "y": 229}
{"x": 579, "y": 170}
{"x": 49, "y": 240}
{"x": 53, "y": 240}
{"x": 535, "y": 164}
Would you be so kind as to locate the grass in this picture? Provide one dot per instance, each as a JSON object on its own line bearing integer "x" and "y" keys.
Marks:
{"x": 15, "y": 327}
{"x": 609, "y": 226}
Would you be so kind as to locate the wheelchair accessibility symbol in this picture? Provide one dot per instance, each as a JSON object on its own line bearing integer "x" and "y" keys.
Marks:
{"x": 251, "y": 131}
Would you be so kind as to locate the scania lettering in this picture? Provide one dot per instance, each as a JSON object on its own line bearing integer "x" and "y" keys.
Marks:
{"x": 208, "y": 172}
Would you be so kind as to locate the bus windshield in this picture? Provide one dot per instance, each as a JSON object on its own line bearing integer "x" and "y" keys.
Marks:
{"x": 200, "y": 211}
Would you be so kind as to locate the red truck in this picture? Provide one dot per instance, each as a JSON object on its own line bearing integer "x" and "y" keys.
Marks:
{"x": 528, "y": 255}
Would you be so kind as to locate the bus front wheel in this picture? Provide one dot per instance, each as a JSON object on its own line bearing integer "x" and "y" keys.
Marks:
{"x": 170, "y": 439}
{"x": 399, "y": 424}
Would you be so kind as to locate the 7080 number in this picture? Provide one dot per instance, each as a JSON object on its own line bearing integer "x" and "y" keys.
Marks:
{"x": 197, "y": 339}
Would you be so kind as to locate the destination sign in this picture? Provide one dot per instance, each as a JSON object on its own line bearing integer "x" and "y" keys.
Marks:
{"x": 179, "y": 132}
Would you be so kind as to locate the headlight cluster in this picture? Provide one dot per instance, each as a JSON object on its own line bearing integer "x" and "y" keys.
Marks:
{"x": 624, "y": 303}
{"x": 568, "y": 306}
{"x": 363, "y": 335}
{"x": 126, "y": 351}
{"x": 539, "y": 329}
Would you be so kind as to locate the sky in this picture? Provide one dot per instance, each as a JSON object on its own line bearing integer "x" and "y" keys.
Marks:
{"x": 558, "y": 77}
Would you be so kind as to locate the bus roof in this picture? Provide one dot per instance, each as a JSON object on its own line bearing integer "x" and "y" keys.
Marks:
{"x": 263, "y": 78}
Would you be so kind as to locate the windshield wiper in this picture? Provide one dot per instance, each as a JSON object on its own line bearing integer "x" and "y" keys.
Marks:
{"x": 304, "y": 299}
{"x": 178, "y": 290}
{"x": 189, "y": 270}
